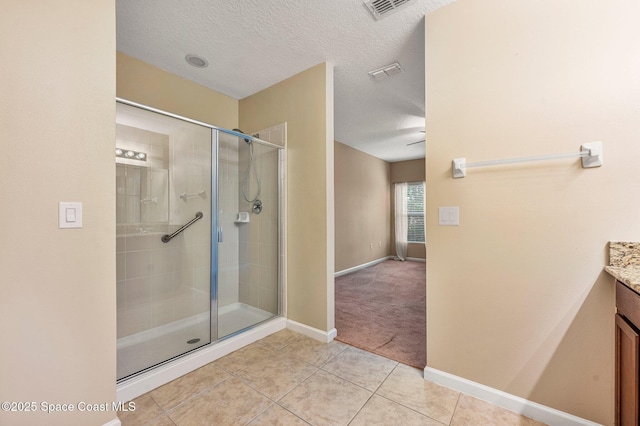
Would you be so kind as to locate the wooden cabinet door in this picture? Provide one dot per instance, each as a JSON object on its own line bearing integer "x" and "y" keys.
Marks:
{"x": 627, "y": 370}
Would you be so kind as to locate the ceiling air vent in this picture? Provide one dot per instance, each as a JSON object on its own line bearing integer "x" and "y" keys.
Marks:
{"x": 383, "y": 8}
{"x": 386, "y": 71}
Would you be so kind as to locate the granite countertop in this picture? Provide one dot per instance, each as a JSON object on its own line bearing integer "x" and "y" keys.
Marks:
{"x": 624, "y": 263}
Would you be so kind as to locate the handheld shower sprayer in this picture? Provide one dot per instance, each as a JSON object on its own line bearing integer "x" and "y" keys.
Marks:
{"x": 257, "y": 203}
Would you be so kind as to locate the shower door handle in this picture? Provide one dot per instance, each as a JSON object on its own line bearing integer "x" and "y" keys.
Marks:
{"x": 220, "y": 234}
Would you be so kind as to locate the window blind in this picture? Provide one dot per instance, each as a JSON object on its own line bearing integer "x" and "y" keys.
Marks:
{"x": 415, "y": 212}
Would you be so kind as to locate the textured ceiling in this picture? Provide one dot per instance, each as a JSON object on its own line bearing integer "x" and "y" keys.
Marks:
{"x": 252, "y": 44}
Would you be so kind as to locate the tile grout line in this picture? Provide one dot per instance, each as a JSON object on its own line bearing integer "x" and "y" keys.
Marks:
{"x": 407, "y": 407}
{"x": 245, "y": 381}
{"x": 455, "y": 408}
{"x": 260, "y": 413}
{"x": 356, "y": 384}
{"x": 192, "y": 396}
{"x": 373, "y": 393}
{"x": 360, "y": 409}
{"x": 276, "y": 402}
{"x": 235, "y": 374}
{"x": 411, "y": 409}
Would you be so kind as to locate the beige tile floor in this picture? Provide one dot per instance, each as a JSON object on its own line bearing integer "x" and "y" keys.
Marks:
{"x": 290, "y": 379}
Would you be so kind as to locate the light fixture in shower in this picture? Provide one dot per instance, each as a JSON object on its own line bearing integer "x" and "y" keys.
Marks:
{"x": 196, "y": 61}
{"x": 130, "y": 154}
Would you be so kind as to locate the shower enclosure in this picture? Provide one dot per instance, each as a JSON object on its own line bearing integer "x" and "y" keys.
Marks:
{"x": 196, "y": 260}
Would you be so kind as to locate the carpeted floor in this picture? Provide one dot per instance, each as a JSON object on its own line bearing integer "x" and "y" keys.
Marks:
{"x": 381, "y": 309}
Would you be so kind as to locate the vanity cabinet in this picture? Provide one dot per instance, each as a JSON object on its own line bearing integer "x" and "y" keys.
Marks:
{"x": 627, "y": 356}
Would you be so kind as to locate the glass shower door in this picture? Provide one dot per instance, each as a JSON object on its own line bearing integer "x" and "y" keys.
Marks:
{"x": 248, "y": 286}
{"x": 164, "y": 222}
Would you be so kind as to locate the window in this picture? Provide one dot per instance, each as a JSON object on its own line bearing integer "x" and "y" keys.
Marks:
{"x": 415, "y": 212}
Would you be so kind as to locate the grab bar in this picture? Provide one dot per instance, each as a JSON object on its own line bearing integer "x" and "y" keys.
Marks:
{"x": 167, "y": 238}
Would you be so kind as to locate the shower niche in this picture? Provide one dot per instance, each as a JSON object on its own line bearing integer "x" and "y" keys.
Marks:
{"x": 189, "y": 274}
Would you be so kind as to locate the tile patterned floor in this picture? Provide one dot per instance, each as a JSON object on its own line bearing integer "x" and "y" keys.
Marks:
{"x": 290, "y": 379}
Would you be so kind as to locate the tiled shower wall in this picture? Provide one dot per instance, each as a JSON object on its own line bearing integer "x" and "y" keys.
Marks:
{"x": 259, "y": 255}
{"x": 159, "y": 283}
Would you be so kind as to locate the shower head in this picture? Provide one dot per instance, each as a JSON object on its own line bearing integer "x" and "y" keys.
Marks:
{"x": 240, "y": 131}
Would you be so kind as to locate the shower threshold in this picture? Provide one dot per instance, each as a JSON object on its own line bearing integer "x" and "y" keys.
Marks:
{"x": 238, "y": 316}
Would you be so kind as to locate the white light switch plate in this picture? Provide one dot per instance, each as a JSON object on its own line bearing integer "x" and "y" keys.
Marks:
{"x": 69, "y": 215}
{"x": 449, "y": 216}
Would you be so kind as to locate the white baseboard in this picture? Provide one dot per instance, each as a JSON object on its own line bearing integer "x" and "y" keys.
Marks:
{"x": 411, "y": 259}
{"x": 314, "y": 333}
{"x": 114, "y": 422}
{"x": 159, "y": 376}
{"x": 507, "y": 401}
{"x": 364, "y": 265}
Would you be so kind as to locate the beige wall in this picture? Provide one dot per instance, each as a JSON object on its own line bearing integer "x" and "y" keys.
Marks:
{"x": 58, "y": 303}
{"x": 405, "y": 171}
{"x": 305, "y": 103}
{"x": 362, "y": 207}
{"x": 516, "y": 296}
{"x": 145, "y": 84}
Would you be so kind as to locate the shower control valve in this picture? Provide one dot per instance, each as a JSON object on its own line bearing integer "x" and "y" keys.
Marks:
{"x": 257, "y": 207}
